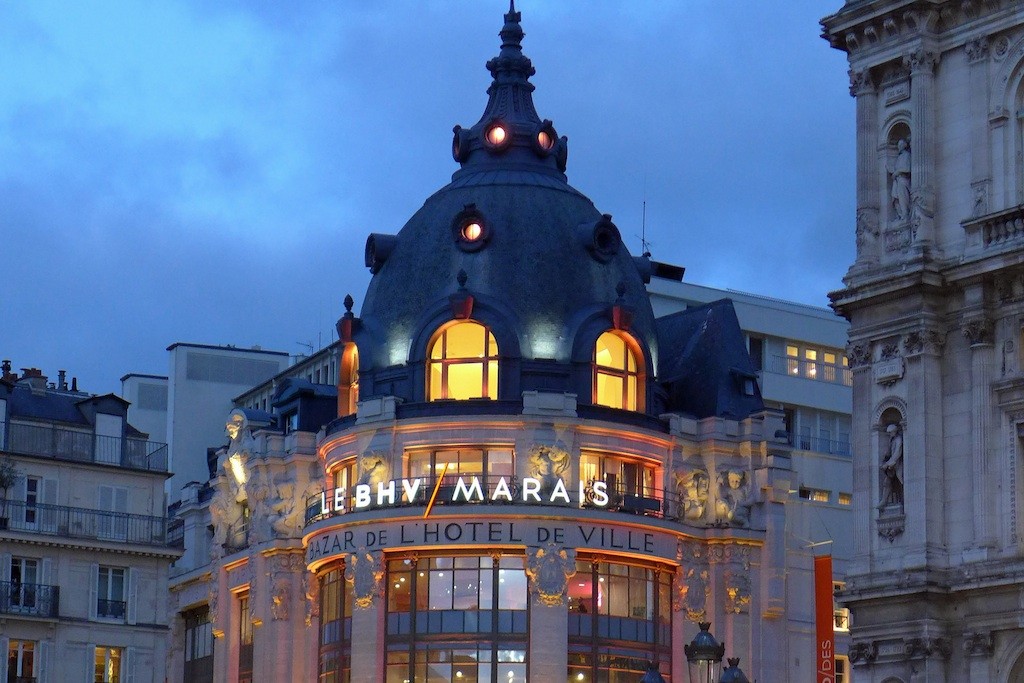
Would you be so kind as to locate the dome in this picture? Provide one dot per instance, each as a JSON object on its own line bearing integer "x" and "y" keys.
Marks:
{"x": 537, "y": 263}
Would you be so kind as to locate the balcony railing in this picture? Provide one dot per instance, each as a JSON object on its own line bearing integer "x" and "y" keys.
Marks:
{"x": 29, "y": 599}
{"x": 67, "y": 444}
{"x": 621, "y": 498}
{"x": 810, "y": 369}
{"x": 110, "y": 609}
{"x": 59, "y": 520}
{"x": 823, "y": 445}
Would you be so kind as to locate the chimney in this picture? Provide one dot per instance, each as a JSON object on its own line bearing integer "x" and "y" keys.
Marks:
{"x": 5, "y": 368}
{"x": 62, "y": 383}
{"x": 34, "y": 378}
{"x": 74, "y": 384}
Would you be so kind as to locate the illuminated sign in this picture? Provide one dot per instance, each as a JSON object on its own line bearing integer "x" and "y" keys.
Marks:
{"x": 394, "y": 535}
{"x": 460, "y": 490}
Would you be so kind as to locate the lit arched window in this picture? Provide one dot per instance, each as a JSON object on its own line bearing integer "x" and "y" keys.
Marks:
{"x": 618, "y": 372}
{"x": 348, "y": 381}
{"x": 463, "y": 363}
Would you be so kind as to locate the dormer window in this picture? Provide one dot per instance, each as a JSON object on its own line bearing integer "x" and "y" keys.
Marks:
{"x": 463, "y": 363}
{"x": 618, "y": 372}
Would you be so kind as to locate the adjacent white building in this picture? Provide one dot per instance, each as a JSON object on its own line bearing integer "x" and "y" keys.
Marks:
{"x": 83, "y": 538}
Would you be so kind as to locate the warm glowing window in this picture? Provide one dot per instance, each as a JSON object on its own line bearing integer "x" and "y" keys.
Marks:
{"x": 463, "y": 363}
{"x": 348, "y": 381}
{"x": 617, "y": 373}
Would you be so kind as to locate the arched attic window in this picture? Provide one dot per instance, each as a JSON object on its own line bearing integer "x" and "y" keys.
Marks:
{"x": 618, "y": 372}
{"x": 462, "y": 362}
{"x": 348, "y": 381}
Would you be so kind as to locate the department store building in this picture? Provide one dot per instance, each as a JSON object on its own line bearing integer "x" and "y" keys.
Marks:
{"x": 522, "y": 474}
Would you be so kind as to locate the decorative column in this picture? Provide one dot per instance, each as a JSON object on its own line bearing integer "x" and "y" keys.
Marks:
{"x": 929, "y": 656}
{"x": 549, "y": 569}
{"x": 978, "y": 331}
{"x": 978, "y": 648}
{"x": 922, "y": 65}
{"x": 869, "y": 246}
{"x": 981, "y": 151}
{"x": 923, "y": 463}
{"x": 365, "y": 571}
{"x": 865, "y": 490}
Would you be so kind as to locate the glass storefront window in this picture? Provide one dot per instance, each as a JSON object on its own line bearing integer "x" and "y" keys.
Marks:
{"x": 335, "y": 627}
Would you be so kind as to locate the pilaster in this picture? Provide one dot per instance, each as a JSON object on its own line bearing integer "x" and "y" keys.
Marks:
{"x": 922, "y": 63}
{"x": 977, "y": 53}
{"x": 549, "y": 569}
{"x": 869, "y": 247}
{"x": 978, "y": 331}
{"x": 365, "y": 571}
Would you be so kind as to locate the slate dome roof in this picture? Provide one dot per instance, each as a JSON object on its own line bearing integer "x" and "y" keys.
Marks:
{"x": 544, "y": 259}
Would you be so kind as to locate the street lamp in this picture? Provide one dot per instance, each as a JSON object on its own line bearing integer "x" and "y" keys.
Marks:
{"x": 733, "y": 673}
{"x": 704, "y": 656}
{"x": 652, "y": 675}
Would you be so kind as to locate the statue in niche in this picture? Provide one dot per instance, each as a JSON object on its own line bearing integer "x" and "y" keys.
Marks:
{"x": 692, "y": 490}
{"x": 900, "y": 188}
{"x": 892, "y": 469}
{"x": 548, "y": 464}
{"x": 734, "y": 501}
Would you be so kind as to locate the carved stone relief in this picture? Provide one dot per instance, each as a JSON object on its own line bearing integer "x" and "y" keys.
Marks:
{"x": 374, "y": 468}
{"x": 550, "y": 569}
{"x": 548, "y": 464}
{"x": 692, "y": 486}
{"x": 859, "y": 355}
{"x": 978, "y": 644}
{"x": 734, "y": 497}
{"x": 692, "y": 588}
{"x": 737, "y": 590}
{"x": 365, "y": 571}
{"x": 921, "y": 648}
{"x": 863, "y": 653}
{"x": 311, "y": 590}
{"x": 978, "y": 331}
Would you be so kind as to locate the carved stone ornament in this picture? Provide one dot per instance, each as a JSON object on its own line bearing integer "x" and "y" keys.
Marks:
{"x": 923, "y": 340}
{"x": 863, "y": 653}
{"x": 734, "y": 498}
{"x": 548, "y": 463}
{"x": 977, "y": 50}
{"x": 921, "y": 648}
{"x": 860, "y": 82}
{"x": 365, "y": 571}
{"x": 890, "y": 350}
{"x": 921, "y": 61}
{"x": 280, "y": 598}
{"x": 891, "y": 525}
{"x": 311, "y": 590}
{"x": 978, "y": 644}
{"x": 374, "y": 468}
{"x": 978, "y": 331}
{"x": 867, "y": 232}
{"x": 215, "y": 606}
{"x": 737, "y": 591}
{"x": 1002, "y": 47}
{"x": 692, "y": 486}
{"x": 550, "y": 569}
{"x": 859, "y": 355}
{"x": 692, "y": 591}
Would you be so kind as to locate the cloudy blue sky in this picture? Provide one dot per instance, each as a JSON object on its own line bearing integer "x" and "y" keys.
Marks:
{"x": 208, "y": 171}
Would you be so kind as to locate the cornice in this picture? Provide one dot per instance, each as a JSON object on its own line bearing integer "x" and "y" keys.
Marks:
{"x": 887, "y": 284}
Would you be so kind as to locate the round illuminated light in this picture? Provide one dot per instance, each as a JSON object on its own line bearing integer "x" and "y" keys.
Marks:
{"x": 471, "y": 232}
{"x": 496, "y": 135}
{"x": 544, "y": 139}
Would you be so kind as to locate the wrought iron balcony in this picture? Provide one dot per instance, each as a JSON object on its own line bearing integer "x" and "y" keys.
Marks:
{"x": 69, "y": 522}
{"x": 110, "y": 609}
{"x": 29, "y": 599}
{"x": 86, "y": 447}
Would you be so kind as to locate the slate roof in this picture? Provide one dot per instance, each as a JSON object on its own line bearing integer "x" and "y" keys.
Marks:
{"x": 704, "y": 361}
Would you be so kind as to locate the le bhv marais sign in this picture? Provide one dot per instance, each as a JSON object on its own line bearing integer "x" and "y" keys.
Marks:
{"x": 395, "y": 492}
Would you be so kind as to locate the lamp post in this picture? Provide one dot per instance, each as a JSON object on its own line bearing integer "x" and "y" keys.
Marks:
{"x": 652, "y": 675}
{"x": 704, "y": 656}
{"x": 733, "y": 673}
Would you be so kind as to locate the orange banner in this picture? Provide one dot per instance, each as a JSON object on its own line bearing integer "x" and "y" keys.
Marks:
{"x": 823, "y": 616}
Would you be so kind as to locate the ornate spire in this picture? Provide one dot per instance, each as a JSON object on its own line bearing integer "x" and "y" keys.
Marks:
{"x": 510, "y": 131}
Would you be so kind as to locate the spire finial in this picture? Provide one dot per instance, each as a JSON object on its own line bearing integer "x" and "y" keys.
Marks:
{"x": 349, "y": 302}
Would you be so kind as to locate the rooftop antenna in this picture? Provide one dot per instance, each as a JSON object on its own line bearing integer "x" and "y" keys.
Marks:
{"x": 644, "y": 244}
{"x": 308, "y": 345}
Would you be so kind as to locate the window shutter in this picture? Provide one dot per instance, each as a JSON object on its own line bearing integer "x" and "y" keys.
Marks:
{"x": 120, "y": 499}
{"x": 106, "y": 501}
{"x": 90, "y": 661}
{"x": 4, "y": 643}
{"x": 94, "y": 583}
{"x": 43, "y": 662}
{"x": 49, "y": 497}
{"x": 5, "y": 567}
{"x": 133, "y": 593}
{"x": 129, "y": 665}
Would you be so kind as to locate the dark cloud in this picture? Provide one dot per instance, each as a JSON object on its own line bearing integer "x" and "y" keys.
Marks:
{"x": 208, "y": 172}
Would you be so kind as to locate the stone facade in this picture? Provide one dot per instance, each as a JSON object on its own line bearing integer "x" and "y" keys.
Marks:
{"x": 936, "y": 305}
